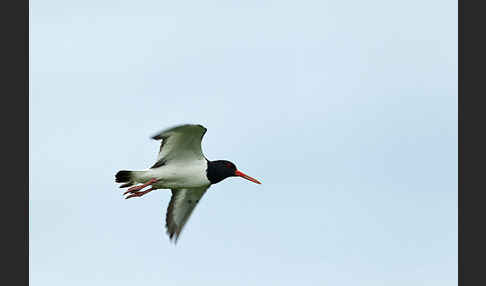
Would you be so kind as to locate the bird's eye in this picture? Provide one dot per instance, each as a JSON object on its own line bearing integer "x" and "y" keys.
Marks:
{"x": 228, "y": 165}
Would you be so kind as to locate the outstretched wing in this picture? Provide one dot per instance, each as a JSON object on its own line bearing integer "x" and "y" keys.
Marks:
{"x": 182, "y": 142}
{"x": 182, "y": 203}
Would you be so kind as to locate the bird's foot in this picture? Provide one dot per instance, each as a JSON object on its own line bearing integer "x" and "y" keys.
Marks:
{"x": 140, "y": 187}
{"x": 136, "y": 190}
{"x": 139, "y": 194}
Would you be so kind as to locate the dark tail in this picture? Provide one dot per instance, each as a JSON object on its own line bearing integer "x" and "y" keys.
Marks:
{"x": 124, "y": 177}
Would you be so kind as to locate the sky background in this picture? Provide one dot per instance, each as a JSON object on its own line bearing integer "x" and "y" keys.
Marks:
{"x": 345, "y": 110}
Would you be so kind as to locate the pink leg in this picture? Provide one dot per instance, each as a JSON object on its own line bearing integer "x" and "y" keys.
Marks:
{"x": 139, "y": 194}
{"x": 138, "y": 188}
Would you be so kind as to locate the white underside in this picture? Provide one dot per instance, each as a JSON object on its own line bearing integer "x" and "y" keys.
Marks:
{"x": 176, "y": 175}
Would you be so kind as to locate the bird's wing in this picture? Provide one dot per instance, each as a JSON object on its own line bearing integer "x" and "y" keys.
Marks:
{"x": 182, "y": 142}
{"x": 182, "y": 203}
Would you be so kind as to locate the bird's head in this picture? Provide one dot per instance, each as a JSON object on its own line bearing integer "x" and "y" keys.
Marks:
{"x": 222, "y": 169}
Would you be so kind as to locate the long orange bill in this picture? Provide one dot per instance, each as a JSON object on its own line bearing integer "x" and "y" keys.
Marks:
{"x": 243, "y": 175}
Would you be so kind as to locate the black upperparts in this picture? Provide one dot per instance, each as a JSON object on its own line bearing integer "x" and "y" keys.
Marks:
{"x": 220, "y": 170}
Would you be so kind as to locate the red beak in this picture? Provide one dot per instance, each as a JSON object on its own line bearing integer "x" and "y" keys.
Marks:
{"x": 243, "y": 175}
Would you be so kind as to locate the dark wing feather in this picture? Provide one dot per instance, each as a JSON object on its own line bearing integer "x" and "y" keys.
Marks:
{"x": 181, "y": 206}
{"x": 182, "y": 142}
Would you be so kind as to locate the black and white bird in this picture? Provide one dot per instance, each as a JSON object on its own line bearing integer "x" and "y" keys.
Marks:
{"x": 182, "y": 167}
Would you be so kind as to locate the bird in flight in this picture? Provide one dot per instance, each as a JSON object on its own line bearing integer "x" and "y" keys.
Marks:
{"x": 181, "y": 167}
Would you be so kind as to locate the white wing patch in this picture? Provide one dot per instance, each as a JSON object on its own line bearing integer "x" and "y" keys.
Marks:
{"x": 182, "y": 203}
{"x": 180, "y": 143}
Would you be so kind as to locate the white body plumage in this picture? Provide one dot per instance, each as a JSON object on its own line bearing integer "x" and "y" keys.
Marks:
{"x": 176, "y": 175}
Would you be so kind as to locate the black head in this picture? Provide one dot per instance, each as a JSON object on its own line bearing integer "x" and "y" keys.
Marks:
{"x": 222, "y": 169}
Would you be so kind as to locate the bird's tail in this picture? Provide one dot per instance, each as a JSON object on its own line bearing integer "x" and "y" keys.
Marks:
{"x": 125, "y": 177}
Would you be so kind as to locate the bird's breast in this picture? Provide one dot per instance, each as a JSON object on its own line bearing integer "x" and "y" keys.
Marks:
{"x": 182, "y": 175}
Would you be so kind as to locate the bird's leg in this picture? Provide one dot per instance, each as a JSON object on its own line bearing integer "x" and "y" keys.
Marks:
{"x": 138, "y": 188}
{"x": 139, "y": 194}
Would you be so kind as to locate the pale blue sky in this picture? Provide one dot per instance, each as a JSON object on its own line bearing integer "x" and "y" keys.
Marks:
{"x": 345, "y": 110}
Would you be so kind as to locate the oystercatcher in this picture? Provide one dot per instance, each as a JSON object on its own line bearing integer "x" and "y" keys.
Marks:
{"x": 182, "y": 167}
